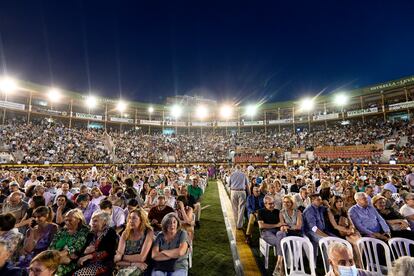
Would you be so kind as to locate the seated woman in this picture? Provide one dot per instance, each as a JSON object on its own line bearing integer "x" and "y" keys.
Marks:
{"x": 291, "y": 217}
{"x": 348, "y": 197}
{"x": 45, "y": 263}
{"x": 35, "y": 202}
{"x": 97, "y": 195}
{"x": 135, "y": 244}
{"x": 170, "y": 248}
{"x": 341, "y": 226}
{"x": 398, "y": 224}
{"x": 10, "y": 234}
{"x": 117, "y": 197}
{"x": 101, "y": 244}
{"x": 185, "y": 214}
{"x": 70, "y": 241}
{"x": 151, "y": 199}
{"x": 39, "y": 237}
{"x": 389, "y": 201}
{"x": 62, "y": 206}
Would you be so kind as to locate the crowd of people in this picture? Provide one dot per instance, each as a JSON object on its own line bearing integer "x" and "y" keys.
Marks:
{"x": 43, "y": 141}
{"x": 316, "y": 202}
{"x": 112, "y": 221}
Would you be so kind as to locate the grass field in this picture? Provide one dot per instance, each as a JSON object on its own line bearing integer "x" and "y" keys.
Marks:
{"x": 212, "y": 255}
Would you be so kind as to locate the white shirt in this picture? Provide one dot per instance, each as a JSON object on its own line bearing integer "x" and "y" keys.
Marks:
{"x": 31, "y": 183}
{"x": 406, "y": 210}
{"x": 98, "y": 200}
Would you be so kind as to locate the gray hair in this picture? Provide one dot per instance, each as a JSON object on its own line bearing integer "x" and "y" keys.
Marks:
{"x": 268, "y": 197}
{"x": 358, "y": 195}
{"x": 403, "y": 266}
{"x": 337, "y": 246}
{"x": 103, "y": 216}
{"x": 167, "y": 220}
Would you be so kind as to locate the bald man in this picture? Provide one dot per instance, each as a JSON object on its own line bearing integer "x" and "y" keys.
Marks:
{"x": 15, "y": 205}
{"x": 341, "y": 262}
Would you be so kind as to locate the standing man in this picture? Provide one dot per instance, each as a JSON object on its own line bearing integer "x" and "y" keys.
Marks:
{"x": 238, "y": 183}
{"x": 409, "y": 179}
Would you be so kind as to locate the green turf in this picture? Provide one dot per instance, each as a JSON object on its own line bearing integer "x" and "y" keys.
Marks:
{"x": 212, "y": 255}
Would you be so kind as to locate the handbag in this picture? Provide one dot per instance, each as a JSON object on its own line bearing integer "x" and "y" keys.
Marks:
{"x": 166, "y": 266}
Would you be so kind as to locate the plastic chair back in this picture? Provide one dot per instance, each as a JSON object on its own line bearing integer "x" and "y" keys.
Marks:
{"x": 324, "y": 245}
{"x": 368, "y": 248}
{"x": 293, "y": 249}
{"x": 400, "y": 247}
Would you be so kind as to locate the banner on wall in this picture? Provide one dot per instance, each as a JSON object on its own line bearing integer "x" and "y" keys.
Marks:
{"x": 88, "y": 116}
{"x": 281, "y": 121}
{"x": 200, "y": 124}
{"x": 180, "y": 124}
{"x": 12, "y": 105}
{"x": 226, "y": 124}
{"x": 253, "y": 123}
{"x": 150, "y": 123}
{"x": 399, "y": 106}
{"x": 323, "y": 117}
{"x": 362, "y": 111}
{"x": 121, "y": 120}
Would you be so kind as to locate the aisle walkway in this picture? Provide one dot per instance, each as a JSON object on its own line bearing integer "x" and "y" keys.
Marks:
{"x": 245, "y": 263}
{"x": 212, "y": 255}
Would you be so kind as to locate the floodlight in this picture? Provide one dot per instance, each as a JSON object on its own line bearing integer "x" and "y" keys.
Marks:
{"x": 226, "y": 111}
{"x": 121, "y": 106}
{"x": 176, "y": 111}
{"x": 251, "y": 110}
{"x": 150, "y": 109}
{"x": 201, "y": 112}
{"x": 307, "y": 104}
{"x": 7, "y": 84}
{"x": 54, "y": 95}
{"x": 91, "y": 101}
{"x": 341, "y": 99}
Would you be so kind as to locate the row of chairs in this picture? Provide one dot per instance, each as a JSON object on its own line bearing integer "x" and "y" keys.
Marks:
{"x": 294, "y": 247}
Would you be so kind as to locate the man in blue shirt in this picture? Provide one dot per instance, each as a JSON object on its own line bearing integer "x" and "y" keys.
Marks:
{"x": 367, "y": 220}
{"x": 254, "y": 203}
{"x": 314, "y": 221}
{"x": 392, "y": 186}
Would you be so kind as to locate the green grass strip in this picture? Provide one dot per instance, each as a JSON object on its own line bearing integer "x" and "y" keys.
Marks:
{"x": 212, "y": 255}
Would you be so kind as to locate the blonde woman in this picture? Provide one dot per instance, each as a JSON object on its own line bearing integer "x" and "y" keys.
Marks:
{"x": 291, "y": 218}
{"x": 134, "y": 244}
{"x": 45, "y": 263}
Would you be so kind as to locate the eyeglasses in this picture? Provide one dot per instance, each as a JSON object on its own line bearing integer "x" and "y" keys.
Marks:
{"x": 271, "y": 203}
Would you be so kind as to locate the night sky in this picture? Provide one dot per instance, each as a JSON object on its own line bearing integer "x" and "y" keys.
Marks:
{"x": 224, "y": 50}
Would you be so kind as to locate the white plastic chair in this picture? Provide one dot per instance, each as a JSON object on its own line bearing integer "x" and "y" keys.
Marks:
{"x": 265, "y": 251}
{"x": 400, "y": 247}
{"x": 292, "y": 249}
{"x": 324, "y": 245}
{"x": 368, "y": 248}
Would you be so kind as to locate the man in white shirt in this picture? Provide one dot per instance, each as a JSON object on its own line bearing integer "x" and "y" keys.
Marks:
{"x": 32, "y": 181}
{"x": 64, "y": 190}
{"x": 407, "y": 210}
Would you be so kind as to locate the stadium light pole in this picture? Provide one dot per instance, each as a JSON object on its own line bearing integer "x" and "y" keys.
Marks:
{"x": 341, "y": 100}
{"x": 226, "y": 111}
{"x": 201, "y": 113}
{"x": 176, "y": 113}
{"x": 150, "y": 111}
{"x": 7, "y": 85}
{"x": 251, "y": 111}
{"x": 307, "y": 104}
{"x": 54, "y": 96}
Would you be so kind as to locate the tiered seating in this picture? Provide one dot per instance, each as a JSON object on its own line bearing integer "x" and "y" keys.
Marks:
{"x": 334, "y": 152}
